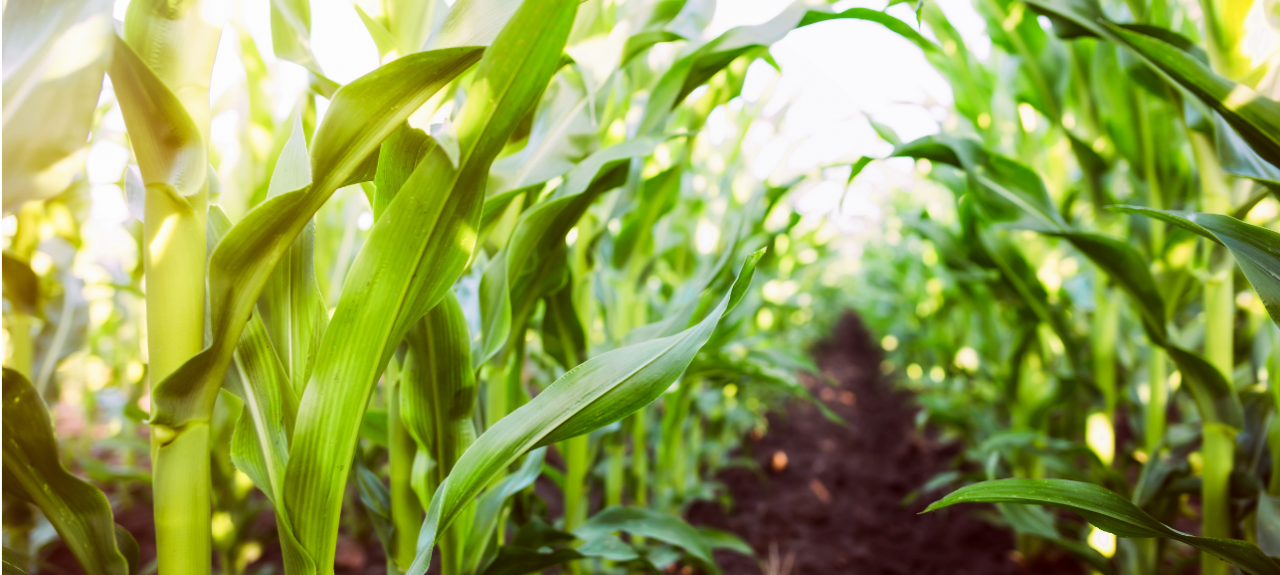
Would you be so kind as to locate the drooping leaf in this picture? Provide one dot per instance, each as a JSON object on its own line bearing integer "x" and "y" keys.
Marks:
{"x": 11, "y": 564}
{"x": 598, "y": 392}
{"x": 1106, "y": 511}
{"x": 695, "y": 69}
{"x": 1256, "y": 249}
{"x": 1254, "y": 116}
{"x": 651, "y": 524}
{"x": 33, "y": 471}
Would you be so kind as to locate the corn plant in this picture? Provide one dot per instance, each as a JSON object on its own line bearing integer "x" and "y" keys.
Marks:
{"x": 466, "y": 322}
{"x": 1169, "y": 140}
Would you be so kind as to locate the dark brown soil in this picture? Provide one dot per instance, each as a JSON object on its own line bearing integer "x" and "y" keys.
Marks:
{"x": 837, "y": 505}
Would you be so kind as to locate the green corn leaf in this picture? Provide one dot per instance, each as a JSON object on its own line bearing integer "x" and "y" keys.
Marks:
{"x": 650, "y": 524}
{"x": 512, "y": 560}
{"x": 1106, "y": 511}
{"x": 438, "y": 389}
{"x": 1255, "y": 117}
{"x": 657, "y": 197}
{"x": 168, "y": 145}
{"x": 1256, "y": 249}
{"x": 47, "y": 116}
{"x": 414, "y": 253}
{"x": 260, "y": 438}
{"x": 11, "y": 564}
{"x": 33, "y": 471}
{"x": 542, "y": 229}
{"x": 563, "y": 336}
{"x": 363, "y": 113}
{"x": 291, "y": 306}
{"x": 718, "y": 539}
{"x": 1239, "y": 158}
{"x": 598, "y": 392}
{"x": 1007, "y": 191}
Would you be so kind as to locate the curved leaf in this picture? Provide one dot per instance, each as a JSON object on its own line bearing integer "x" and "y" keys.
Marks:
{"x": 1255, "y": 117}
{"x": 1106, "y": 511}
{"x": 78, "y": 511}
{"x": 11, "y": 564}
{"x": 648, "y": 523}
{"x": 1256, "y": 249}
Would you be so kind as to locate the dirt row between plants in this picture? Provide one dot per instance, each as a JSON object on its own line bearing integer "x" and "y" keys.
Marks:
{"x": 834, "y": 498}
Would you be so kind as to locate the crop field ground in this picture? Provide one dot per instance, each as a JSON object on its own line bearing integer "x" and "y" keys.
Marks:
{"x": 503, "y": 287}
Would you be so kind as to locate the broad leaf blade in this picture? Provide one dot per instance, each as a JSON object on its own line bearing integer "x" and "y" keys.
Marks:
{"x": 648, "y": 523}
{"x": 78, "y": 511}
{"x": 1107, "y": 511}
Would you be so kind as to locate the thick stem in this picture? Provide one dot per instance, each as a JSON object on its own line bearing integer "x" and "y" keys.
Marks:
{"x": 1273, "y": 383}
{"x": 577, "y": 460}
{"x": 640, "y": 456}
{"x": 180, "y": 476}
{"x": 406, "y": 513}
{"x": 1218, "y": 449}
{"x": 1157, "y": 398}
{"x": 616, "y": 475}
{"x": 178, "y": 42}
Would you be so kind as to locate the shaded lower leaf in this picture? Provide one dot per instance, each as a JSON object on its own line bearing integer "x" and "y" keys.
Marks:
{"x": 11, "y": 564}
{"x": 1107, "y": 511}
{"x": 78, "y": 511}
{"x": 520, "y": 560}
{"x": 648, "y": 523}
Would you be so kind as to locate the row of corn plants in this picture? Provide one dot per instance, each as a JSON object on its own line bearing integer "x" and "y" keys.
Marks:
{"x": 1092, "y": 264}
{"x": 510, "y": 252}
